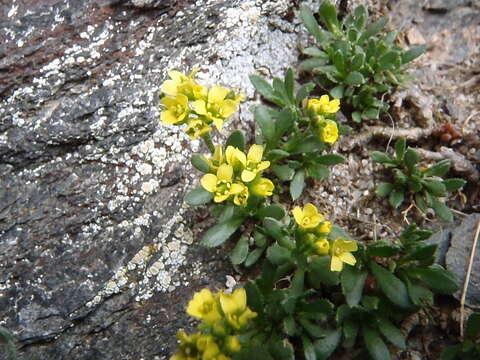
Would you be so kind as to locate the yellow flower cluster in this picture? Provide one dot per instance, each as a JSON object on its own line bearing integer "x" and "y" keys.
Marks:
{"x": 223, "y": 317}
{"x": 236, "y": 174}
{"x": 187, "y": 102}
{"x": 316, "y": 230}
{"x": 318, "y": 110}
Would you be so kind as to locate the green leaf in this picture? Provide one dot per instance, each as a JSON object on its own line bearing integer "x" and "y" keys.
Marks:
{"x": 473, "y": 326}
{"x": 312, "y": 63}
{"x": 419, "y": 295}
{"x": 392, "y": 333}
{"x": 319, "y": 272}
{"x": 279, "y": 87}
{"x": 328, "y": 13}
{"x": 370, "y": 303}
{"x": 326, "y": 346}
{"x": 423, "y": 252}
{"x": 350, "y": 331}
{"x": 265, "y": 89}
{"x": 396, "y": 198}
{"x": 338, "y": 232}
{"x": 312, "y": 329}
{"x": 353, "y": 281}
{"x": 354, "y": 78}
{"x": 308, "y": 349}
{"x": 339, "y": 61}
{"x": 371, "y": 113}
{"x": 309, "y": 144}
{"x": 199, "y": 163}
{"x": 436, "y": 277}
{"x": 389, "y": 60}
{"x": 384, "y": 189}
{"x": 373, "y": 29}
{"x": 304, "y": 91}
{"x": 311, "y": 24}
{"x": 198, "y": 196}
{"x": 330, "y": 159}
{"x": 439, "y": 169}
{"x": 454, "y": 184}
{"x": 240, "y": 251}
{"x": 337, "y": 91}
{"x": 281, "y": 349}
{"x": 273, "y": 211}
{"x": 321, "y": 306}
{"x": 381, "y": 157}
{"x": 267, "y": 126}
{"x": 289, "y": 84}
{"x": 253, "y": 257}
{"x": 361, "y": 15}
{"x": 452, "y": 352}
{"x": 356, "y": 117}
{"x": 315, "y": 52}
{"x": 297, "y": 285}
{"x": 273, "y": 227}
{"x": 278, "y": 255}
{"x": 441, "y": 210}
{"x": 421, "y": 202}
{"x": 382, "y": 248}
{"x": 283, "y": 172}
{"x": 357, "y": 61}
{"x": 400, "y": 147}
{"x": 375, "y": 345}
{"x": 413, "y": 53}
{"x": 297, "y": 184}
{"x": 289, "y": 326}
{"x": 411, "y": 159}
{"x": 393, "y": 288}
{"x": 220, "y": 233}
{"x": 318, "y": 171}
{"x": 255, "y": 299}
{"x": 236, "y": 139}
{"x": 284, "y": 123}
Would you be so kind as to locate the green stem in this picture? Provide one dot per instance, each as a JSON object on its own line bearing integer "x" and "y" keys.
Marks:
{"x": 209, "y": 142}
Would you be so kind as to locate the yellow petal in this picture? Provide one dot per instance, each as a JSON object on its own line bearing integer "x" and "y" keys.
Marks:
{"x": 248, "y": 175}
{"x": 169, "y": 87}
{"x": 168, "y": 117}
{"x": 255, "y": 153}
{"x": 216, "y": 94}
{"x": 228, "y": 107}
{"x": 348, "y": 258}
{"x": 235, "y": 302}
{"x": 168, "y": 101}
{"x": 348, "y": 245}
{"x": 324, "y": 100}
{"x": 336, "y": 264}
{"x": 218, "y": 123}
{"x": 298, "y": 214}
{"x": 182, "y": 100}
{"x": 199, "y": 107}
{"x": 209, "y": 182}
{"x": 221, "y": 198}
{"x": 310, "y": 210}
{"x": 225, "y": 172}
{"x": 263, "y": 165}
{"x": 236, "y": 188}
{"x": 176, "y": 76}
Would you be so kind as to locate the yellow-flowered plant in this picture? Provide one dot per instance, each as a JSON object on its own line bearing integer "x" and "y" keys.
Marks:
{"x": 223, "y": 317}
{"x": 323, "y": 106}
{"x": 221, "y": 184}
{"x": 187, "y": 102}
{"x": 308, "y": 217}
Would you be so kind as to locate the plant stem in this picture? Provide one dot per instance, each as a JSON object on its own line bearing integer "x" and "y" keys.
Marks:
{"x": 208, "y": 141}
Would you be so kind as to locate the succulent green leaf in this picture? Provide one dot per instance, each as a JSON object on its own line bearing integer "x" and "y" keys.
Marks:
{"x": 312, "y": 63}
{"x": 357, "y": 61}
{"x": 439, "y": 169}
{"x": 353, "y": 281}
{"x": 308, "y": 349}
{"x": 253, "y": 257}
{"x": 436, "y": 277}
{"x": 339, "y": 61}
{"x": 266, "y": 124}
{"x": 454, "y": 184}
{"x": 199, "y": 163}
{"x": 266, "y": 90}
{"x": 220, "y": 233}
{"x": 419, "y": 295}
{"x": 240, "y": 251}
{"x": 273, "y": 211}
{"x": 411, "y": 159}
{"x": 283, "y": 172}
{"x": 393, "y": 288}
{"x": 375, "y": 345}
{"x": 354, "y": 78}
{"x": 400, "y": 147}
{"x": 436, "y": 188}
{"x": 384, "y": 189}
{"x": 198, "y": 196}
{"x": 392, "y": 333}
{"x": 278, "y": 255}
{"x": 315, "y": 52}
{"x": 304, "y": 91}
{"x": 330, "y": 159}
{"x": 337, "y": 91}
{"x": 328, "y": 13}
{"x": 318, "y": 171}
{"x": 297, "y": 184}
{"x": 356, "y": 116}
{"x": 326, "y": 346}
{"x": 381, "y": 157}
{"x": 382, "y": 248}
{"x": 311, "y": 24}
{"x": 373, "y": 29}
{"x": 289, "y": 84}
{"x": 396, "y": 198}
{"x": 413, "y": 53}
{"x": 236, "y": 139}
{"x": 389, "y": 60}
{"x": 441, "y": 210}
{"x": 320, "y": 273}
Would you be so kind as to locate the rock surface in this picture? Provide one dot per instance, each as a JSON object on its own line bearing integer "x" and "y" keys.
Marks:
{"x": 96, "y": 260}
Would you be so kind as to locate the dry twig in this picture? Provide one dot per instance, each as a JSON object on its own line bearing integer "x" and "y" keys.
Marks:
{"x": 467, "y": 279}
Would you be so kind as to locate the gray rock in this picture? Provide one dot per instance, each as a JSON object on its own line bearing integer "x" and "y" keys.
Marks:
{"x": 458, "y": 256}
{"x": 93, "y": 263}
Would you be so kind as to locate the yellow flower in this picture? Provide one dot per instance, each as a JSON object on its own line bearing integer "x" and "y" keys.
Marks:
{"x": 235, "y": 157}
{"x": 188, "y": 346}
{"x": 179, "y": 83}
{"x": 216, "y": 160}
{"x": 211, "y": 352}
{"x": 197, "y": 127}
{"x": 234, "y": 306}
{"x": 176, "y": 109}
{"x": 308, "y": 217}
{"x": 241, "y": 198}
{"x": 221, "y": 184}
{"x": 217, "y": 108}
{"x": 329, "y": 132}
{"x": 262, "y": 187}
{"x": 324, "y": 228}
{"x": 323, "y": 106}
{"x": 341, "y": 253}
{"x": 254, "y": 164}
{"x": 321, "y": 246}
{"x": 204, "y": 306}
{"x": 232, "y": 344}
